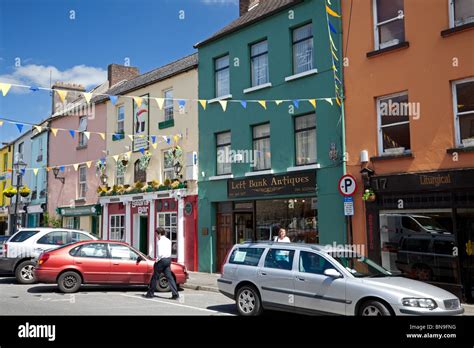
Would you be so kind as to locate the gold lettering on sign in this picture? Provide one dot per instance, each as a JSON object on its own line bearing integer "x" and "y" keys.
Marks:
{"x": 435, "y": 180}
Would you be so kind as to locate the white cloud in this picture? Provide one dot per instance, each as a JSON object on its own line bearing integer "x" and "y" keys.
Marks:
{"x": 39, "y": 75}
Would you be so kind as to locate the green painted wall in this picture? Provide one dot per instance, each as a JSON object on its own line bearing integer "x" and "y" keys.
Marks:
{"x": 277, "y": 30}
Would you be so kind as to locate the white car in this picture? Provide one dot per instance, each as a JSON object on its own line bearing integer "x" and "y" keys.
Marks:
{"x": 25, "y": 246}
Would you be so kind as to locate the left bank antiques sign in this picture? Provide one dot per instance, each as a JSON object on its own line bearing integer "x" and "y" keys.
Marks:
{"x": 140, "y": 123}
{"x": 270, "y": 185}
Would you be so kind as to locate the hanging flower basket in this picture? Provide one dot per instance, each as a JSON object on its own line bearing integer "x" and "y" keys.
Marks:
{"x": 144, "y": 160}
{"x": 369, "y": 195}
{"x": 9, "y": 192}
{"x": 25, "y": 191}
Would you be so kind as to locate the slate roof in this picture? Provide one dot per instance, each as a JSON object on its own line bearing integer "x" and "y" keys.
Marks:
{"x": 265, "y": 9}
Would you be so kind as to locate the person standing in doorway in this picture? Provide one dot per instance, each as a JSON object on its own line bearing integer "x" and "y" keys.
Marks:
{"x": 282, "y": 238}
{"x": 162, "y": 265}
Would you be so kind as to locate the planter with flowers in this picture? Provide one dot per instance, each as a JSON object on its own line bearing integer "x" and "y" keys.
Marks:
{"x": 9, "y": 192}
{"x": 25, "y": 191}
{"x": 369, "y": 195}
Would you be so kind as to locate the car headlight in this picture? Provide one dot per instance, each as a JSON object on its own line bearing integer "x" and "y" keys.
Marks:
{"x": 419, "y": 302}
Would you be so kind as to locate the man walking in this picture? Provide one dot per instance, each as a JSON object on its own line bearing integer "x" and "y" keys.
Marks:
{"x": 162, "y": 265}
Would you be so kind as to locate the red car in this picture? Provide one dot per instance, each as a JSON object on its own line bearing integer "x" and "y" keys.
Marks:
{"x": 101, "y": 262}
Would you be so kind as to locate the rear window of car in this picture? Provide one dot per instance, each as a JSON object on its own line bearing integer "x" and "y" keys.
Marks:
{"x": 246, "y": 256}
{"x": 22, "y": 236}
{"x": 79, "y": 237}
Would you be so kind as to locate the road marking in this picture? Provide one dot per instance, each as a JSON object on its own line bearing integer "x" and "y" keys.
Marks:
{"x": 176, "y": 304}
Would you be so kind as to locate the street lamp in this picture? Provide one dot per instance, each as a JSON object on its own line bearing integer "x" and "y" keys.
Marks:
{"x": 18, "y": 166}
{"x": 56, "y": 172}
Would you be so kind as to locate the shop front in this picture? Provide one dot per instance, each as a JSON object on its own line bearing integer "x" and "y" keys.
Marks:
{"x": 258, "y": 206}
{"x": 3, "y": 220}
{"x": 83, "y": 217}
{"x": 35, "y": 217}
{"x": 422, "y": 226}
{"x": 133, "y": 219}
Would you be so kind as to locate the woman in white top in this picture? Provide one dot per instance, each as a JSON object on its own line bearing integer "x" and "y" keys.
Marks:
{"x": 282, "y": 238}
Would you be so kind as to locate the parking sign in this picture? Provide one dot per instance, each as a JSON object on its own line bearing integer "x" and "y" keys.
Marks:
{"x": 347, "y": 185}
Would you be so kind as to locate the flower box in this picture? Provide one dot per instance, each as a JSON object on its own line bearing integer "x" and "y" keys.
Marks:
{"x": 468, "y": 142}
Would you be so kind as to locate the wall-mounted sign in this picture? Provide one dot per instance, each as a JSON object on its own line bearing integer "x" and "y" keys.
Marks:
{"x": 80, "y": 210}
{"x": 272, "y": 185}
{"x": 141, "y": 118}
{"x": 347, "y": 185}
{"x": 188, "y": 208}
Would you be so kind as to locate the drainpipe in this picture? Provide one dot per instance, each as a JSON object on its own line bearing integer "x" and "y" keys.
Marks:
{"x": 180, "y": 222}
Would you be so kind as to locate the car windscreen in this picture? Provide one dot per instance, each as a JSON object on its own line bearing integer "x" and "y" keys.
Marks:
{"x": 360, "y": 266}
{"x": 21, "y": 236}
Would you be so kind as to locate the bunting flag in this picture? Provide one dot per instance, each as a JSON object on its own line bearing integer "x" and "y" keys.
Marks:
{"x": 87, "y": 135}
{"x": 223, "y": 104}
{"x": 138, "y": 101}
{"x": 278, "y": 102}
{"x": 115, "y": 157}
{"x": 61, "y": 168}
{"x": 329, "y": 100}
{"x": 102, "y": 135}
{"x": 19, "y": 126}
{"x": 296, "y": 103}
{"x": 244, "y": 104}
{"x": 129, "y": 154}
{"x": 62, "y": 94}
{"x": 331, "y": 12}
{"x": 332, "y": 28}
{"x": 54, "y": 131}
{"x": 75, "y": 165}
{"x": 182, "y": 103}
{"x": 34, "y": 89}
{"x": 334, "y": 55}
{"x": 89, "y": 163}
{"x": 142, "y": 150}
{"x": 155, "y": 145}
{"x": 1, "y": 123}
{"x": 130, "y": 136}
{"x": 203, "y": 103}
{"x": 176, "y": 138}
{"x": 23, "y": 171}
{"x": 87, "y": 96}
{"x": 332, "y": 42}
{"x": 313, "y": 102}
{"x": 48, "y": 169}
{"x": 72, "y": 132}
{"x": 35, "y": 171}
{"x": 153, "y": 139}
{"x": 113, "y": 99}
{"x": 160, "y": 102}
{"x": 38, "y": 128}
{"x": 338, "y": 101}
{"x": 263, "y": 103}
{"x": 5, "y": 87}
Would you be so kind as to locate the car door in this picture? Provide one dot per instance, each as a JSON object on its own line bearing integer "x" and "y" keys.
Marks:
{"x": 51, "y": 240}
{"x": 93, "y": 262}
{"x": 315, "y": 291}
{"x": 126, "y": 266}
{"x": 275, "y": 278}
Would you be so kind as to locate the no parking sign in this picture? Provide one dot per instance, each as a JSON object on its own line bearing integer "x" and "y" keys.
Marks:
{"x": 347, "y": 185}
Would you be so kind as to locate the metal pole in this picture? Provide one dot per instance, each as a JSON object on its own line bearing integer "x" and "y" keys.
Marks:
{"x": 18, "y": 185}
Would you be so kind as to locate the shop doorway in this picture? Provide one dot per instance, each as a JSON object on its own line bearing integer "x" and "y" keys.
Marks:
{"x": 143, "y": 240}
{"x": 244, "y": 229}
{"x": 225, "y": 240}
{"x": 465, "y": 227}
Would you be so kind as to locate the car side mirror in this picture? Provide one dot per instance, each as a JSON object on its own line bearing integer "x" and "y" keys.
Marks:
{"x": 331, "y": 272}
{"x": 139, "y": 259}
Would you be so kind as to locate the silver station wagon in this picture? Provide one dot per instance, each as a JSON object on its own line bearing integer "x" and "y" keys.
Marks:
{"x": 314, "y": 279}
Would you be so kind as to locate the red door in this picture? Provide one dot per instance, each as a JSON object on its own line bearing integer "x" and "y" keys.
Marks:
{"x": 92, "y": 261}
{"x": 126, "y": 268}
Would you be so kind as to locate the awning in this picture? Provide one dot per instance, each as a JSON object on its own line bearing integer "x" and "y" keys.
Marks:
{"x": 35, "y": 209}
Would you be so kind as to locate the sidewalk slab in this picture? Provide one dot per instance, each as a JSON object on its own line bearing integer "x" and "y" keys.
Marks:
{"x": 202, "y": 281}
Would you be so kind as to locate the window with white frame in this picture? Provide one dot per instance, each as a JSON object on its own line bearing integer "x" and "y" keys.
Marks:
{"x": 119, "y": 175}
{"x": 461, "y": 12}
{"x": 120, "y": 119}
{"x": 168, "y": 105}
{"x": 117, "y": 227}
{"x": 222, "y": 76}
{"x": 261, "y": 146}
{"x": 82, "y": 128}
{"x": 393, "y": 113}
{"x": 305, "y": 139}
{"x": 259, "y": 63}
{"x": 223, "y": 143}
{"x": 82, "y": 176}
{"x": 389, "y": 23}
{"x": 303, "y": 48}
{"x": 168, "y": 168}
{"x": 463, "y": 101}
{"x": 69, "y": 222}
{"x": 168, "y": 222}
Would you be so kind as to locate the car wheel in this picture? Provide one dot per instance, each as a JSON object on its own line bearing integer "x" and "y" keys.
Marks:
{"x": 163, "y": 284}
{"x": 374, "y": 308}
{"x": 423, "y": 273}
{"x": 69, "y": 282}
{"x": 25, "y": 272}
{"x": 248, "y": 301}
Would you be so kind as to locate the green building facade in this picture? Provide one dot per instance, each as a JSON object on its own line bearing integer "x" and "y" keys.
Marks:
{"x": 287, "y": 159}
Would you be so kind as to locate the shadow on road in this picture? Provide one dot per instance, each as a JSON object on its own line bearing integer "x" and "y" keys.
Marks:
{"x": 42, "y": 289}
{"x": 11, "y": 280}
{"x": 226, "y": 308}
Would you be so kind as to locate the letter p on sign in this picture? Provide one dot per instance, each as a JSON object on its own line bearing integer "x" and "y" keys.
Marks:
{"x": 347, "y": 185}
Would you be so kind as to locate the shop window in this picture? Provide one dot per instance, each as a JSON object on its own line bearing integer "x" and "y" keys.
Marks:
{"x": 463, "y": 100}
{"x": 305, "y": 139}
{"x": 460, "y": 12}
{"x": 280, "y": 259}
{"x": 168, "y": 222}
{"x": 222, "y": 76}
{"x": 313, "y": 263}
{"x": 389, "y": 26}
{"x": 259, "y": 63}
{"x": 71, "y": 222}
{"x": 117, "y": 227}
{"x": 410, "y": 224}
{"x": 303, "y": 49}
{"x": 246, "y": 256}
{"x": 394, "y": 125}
{"x": 261, "y": 146}
{"x": 223, "y": 144}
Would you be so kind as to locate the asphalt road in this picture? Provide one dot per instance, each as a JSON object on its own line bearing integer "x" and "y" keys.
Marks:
{"x": 45, "y": 299}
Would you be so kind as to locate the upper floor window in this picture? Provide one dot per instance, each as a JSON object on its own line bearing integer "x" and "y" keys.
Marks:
{"x": 223, "y": 142}
{"x": 303, "y": 48}
{"x": 40, "y": 150}
{"x": 138, "y": 173}
{"x": 389, "y": 26}
{"x": 20, "y": 148}
{"x": 168, "y": 166}
{"x": 120, "y": 119}
{"x": 259, "y": 63}
{"x": 222, "y": 75}
{"x": 394, "y": 124}
{"x": 261, "y": 146}
{"x": 461, "y": 12}
{"x": 82, "y": 129}
{"x": 305, "y": 139}
{"x": 119, "y": 176}
{"x": 82, "y": 181}
{"x": 5, "y": 162}
{"x": 463, "y": 100}
{"x": 169, "y": 106}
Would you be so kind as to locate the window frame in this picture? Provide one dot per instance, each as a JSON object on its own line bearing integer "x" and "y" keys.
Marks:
{"x": 218, "y": 146}
{"x": 168, "y": 105}
{"x": 169, "y": 228}
{"x": 293, "y": 43}
{"x": 296, "y": 131}
{"x": 168, "y": 169}
{"x": 216, "y": 71}
{"x": 119, "y": 179}
{"x": 254, "y": 139}
{"x": 80, "y": 183}
{"x": 117, "y": 229}
{"x": 82, "y": 139}
{"x": 457, "y": 123}
{"x": 452, "y": 18}
{"x": 381, "y": 150}
{"x": 252, "y": 57}
{"x": 120, "y": 129}
{"x": 377, "y": 44}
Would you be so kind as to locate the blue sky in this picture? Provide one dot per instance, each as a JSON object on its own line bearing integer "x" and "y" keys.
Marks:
{"x": 42, "y": 37}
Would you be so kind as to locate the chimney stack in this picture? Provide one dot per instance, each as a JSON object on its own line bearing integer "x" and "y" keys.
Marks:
{"x": 117, "y": 73}
{"x": 72, "y": 95}
{"x": 247, "y": 5}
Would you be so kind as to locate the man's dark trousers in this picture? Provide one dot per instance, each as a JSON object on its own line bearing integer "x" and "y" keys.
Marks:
{"x": 163, "y": 266}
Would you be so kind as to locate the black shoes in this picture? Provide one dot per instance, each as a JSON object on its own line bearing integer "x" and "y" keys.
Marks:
{"x": 148, "y": 296}
{"x": 175, "y": 297}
